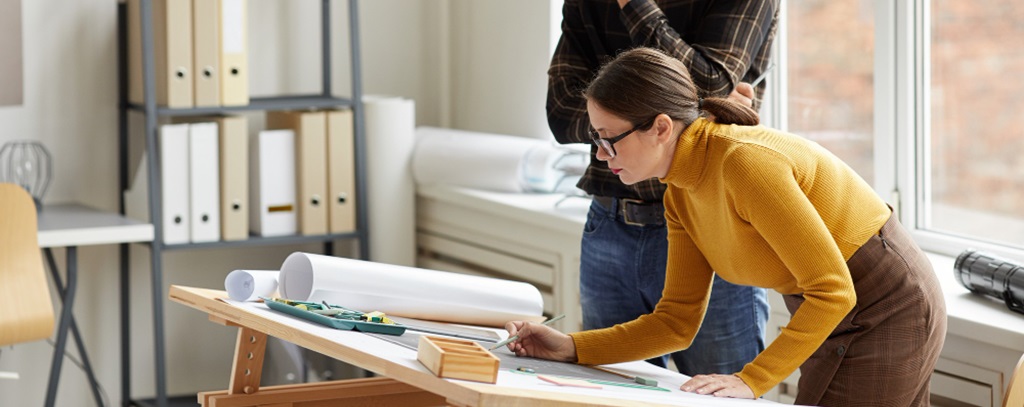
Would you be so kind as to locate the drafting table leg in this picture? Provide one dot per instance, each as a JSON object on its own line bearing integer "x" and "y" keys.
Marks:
{"x": 249, "y": 351}
{"x": 377, "y": 391}
{"x": 67, "y": 320}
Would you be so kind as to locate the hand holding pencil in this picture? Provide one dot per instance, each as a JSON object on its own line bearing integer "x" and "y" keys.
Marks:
{"x": 539, "y": 341}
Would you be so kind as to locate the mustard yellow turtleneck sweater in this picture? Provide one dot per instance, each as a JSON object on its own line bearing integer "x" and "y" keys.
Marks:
{"x": 762, "y": 208}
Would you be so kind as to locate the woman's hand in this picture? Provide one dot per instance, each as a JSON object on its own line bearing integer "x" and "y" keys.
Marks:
{"x": 541, "y": 341}
{"x": 719, "y": 385}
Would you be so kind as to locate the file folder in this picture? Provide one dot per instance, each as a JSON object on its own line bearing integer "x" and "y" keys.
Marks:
{"x": 174, "y": 171}
{"x": 234, "y": 58}
{"x": 341, "y": 172}
{"x": 172, "y": 48}
{"x": 204, "y": 182}
{"x": 234, "y": 177}
{"x": 311, "y": 166}
{"x": 205, "y": 53}
{"x": 272, "y": 183}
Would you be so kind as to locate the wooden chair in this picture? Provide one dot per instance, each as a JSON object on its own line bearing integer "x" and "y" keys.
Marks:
{"x": 27, "y": 312}
{"x": 1014, "y": 396}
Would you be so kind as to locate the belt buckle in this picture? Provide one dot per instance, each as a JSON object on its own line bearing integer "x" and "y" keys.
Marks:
{"x": 623, "y": 203}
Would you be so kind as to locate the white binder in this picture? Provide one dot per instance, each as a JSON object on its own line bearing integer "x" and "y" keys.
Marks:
{"x": 174, "y": 172}
{"x": 272, "y": 184}
{"x": 204, "y": 182}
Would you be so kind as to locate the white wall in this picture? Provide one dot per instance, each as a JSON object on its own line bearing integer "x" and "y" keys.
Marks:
{"x": 471, "y": 64}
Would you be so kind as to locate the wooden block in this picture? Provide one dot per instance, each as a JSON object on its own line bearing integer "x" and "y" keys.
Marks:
{"x": 458, "y": 359}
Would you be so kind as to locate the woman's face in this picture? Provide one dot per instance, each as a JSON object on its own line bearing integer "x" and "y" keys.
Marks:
{"x": 640, "y": 155}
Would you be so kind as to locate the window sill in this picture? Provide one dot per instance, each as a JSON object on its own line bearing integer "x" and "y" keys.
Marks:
{"x": 974, "y": 316}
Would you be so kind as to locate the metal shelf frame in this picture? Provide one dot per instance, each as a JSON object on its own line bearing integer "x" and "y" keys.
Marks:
{"x": 152, "y": 112}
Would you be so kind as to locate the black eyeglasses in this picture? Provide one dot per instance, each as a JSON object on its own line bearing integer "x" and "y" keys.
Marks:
{"x": 608, "y": 144}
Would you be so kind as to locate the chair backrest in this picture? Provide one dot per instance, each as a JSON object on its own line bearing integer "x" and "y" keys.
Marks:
{"x": 26, "y": 313}
{"x": 1015, "y": 391}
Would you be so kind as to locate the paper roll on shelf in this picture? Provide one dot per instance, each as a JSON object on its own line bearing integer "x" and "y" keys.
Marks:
{"x": 250, "y": 285}
{"x": 408, "y": 291}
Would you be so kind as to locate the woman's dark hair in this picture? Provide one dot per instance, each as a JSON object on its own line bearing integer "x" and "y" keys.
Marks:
{"x": 644, "y": 82}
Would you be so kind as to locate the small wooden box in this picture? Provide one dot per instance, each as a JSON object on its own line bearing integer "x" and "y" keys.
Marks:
{"x": 458, "y": 359}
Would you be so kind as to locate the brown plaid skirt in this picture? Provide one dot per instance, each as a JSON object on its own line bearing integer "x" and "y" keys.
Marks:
{"x": 884, "y": 351}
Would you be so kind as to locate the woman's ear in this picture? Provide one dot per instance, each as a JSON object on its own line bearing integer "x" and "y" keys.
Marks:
{"x": 664, "y": 126}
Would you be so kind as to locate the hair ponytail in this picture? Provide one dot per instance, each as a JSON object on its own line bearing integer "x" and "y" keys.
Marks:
{"x": 643, "y": 82}
{"x": 728, "y": 111}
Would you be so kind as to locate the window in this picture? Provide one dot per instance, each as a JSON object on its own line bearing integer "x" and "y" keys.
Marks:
{"x": 975, "y": 185}
{"x": 829, "y": 61}
{"x": 921, "y": 98}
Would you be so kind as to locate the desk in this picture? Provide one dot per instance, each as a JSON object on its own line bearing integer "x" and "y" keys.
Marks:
{"x": 405, "y": 381}
{"x": 70, "y": 226}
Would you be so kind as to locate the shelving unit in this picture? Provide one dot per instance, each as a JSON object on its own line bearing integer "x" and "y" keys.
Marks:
{"x": 152, "y": 112}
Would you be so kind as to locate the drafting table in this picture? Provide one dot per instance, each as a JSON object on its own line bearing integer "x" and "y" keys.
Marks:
{"x": 70, "y": 226}
{"x": 403, "y": 380}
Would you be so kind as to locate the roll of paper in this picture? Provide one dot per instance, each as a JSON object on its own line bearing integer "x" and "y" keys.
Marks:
{"x": 390, "y": 130}
{"x": 408, "y": 291}
{"x": 470, "y": 159}
{"x": 249, "y": 285}
{"x": 487, "y": 161}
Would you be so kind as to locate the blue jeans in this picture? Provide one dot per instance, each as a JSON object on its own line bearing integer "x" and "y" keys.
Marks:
{"x": 622, "y": 274}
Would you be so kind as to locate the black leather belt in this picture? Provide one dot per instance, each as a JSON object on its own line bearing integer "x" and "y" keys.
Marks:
{"x": 634, "y": 211}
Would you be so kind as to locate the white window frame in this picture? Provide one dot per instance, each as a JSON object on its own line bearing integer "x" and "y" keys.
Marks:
{"x": 902, "y": 94}
{"x": 912, "y": 58}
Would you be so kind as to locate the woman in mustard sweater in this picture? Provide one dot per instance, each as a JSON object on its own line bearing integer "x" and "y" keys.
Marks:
{"x": 763, "y": 208}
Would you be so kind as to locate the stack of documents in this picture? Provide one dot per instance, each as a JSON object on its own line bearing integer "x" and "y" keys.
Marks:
{"x": 303, "y": 174}
{"x": 200, "y": 53}
{"x": 204, "y": 181}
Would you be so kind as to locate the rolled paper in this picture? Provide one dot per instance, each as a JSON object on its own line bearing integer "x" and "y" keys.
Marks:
{"x": 250, "y": 285}
{"x": 409, "y": 291}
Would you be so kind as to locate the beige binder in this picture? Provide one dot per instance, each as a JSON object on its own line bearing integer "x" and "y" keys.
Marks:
{"x": 234, "y": 58}
{"x": 172, "y": 48}
{"x": 310, "y": 166}
{"x": 205, "y": 53}
{"x": 234, "y": 177}
{"x": 341, "y": 172}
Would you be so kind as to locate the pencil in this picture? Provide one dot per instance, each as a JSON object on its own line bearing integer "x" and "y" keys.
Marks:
{"x": 514, "y": 337}
{"x": 763, "y": 75}
{"x": 638, "y": 379}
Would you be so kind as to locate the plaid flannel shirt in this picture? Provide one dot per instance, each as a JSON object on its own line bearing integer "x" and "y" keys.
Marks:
{"x": 722, "y": 42}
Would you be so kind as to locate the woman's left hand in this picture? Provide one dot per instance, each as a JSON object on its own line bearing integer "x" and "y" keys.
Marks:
{"x": 719, "y": 385}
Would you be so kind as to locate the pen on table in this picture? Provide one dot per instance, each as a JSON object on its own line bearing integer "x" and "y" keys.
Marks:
{"x": 514, "y": 337}
{"x": 763, "y": 75}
